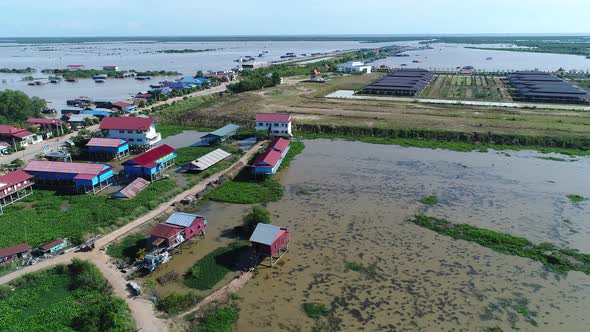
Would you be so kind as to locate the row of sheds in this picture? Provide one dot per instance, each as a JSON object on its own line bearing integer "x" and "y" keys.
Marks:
{"x": 24, "y": 250}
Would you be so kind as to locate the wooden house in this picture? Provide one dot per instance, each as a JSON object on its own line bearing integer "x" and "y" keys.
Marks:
{"x": 150, "y": 164}
{"x": 269, "y": 161}
{"x": 82, "y": 177}
{"x": 177, "y": 229}
{"x": 53, "y": 246}
{"x": 108, "y": 148}
{"x": 14, "y": 186}
{"x": 17, "y": 251}
{"x": 269, "y": 241}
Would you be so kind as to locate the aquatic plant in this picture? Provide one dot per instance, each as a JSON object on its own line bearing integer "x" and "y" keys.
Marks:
{"x": 315, "y": 310}
{"x": 552, "y": 257}
{"x": 211, "y": 269}
{"x": 574, "y": 198}
{"x": 429, "y": 200}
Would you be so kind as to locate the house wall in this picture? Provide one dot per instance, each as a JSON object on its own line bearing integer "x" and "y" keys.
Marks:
{"x": 195, "y": 229}
{"x": 136, "y": 137}
{"x": 277, "y": 128}
{"x": 280, "y": 242}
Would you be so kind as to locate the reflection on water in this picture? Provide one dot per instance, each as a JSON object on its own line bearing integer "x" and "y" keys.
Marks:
{"x": 349, "y": 202}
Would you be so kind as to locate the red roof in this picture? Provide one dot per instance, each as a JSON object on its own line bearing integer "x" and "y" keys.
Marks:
{"x": 44, "y": 121}
{"x": 106, "y": 142}
{"x": 165, "y": 231}
{"x": 122, "y": 104}
{"x": 13, "y": 178}
{"x": 280, "y": 144}
{"x": 14, "y": 250}
{"x": 149, "y": 158}
{"x": 52, "y": 244}
{"x": 10, "y": 130}
{"x": 126, "y": 123}
{"x": 273, "y": 117}
{"x": 63, "y": 167}
{"x": 134, "y": 188}
{"x": 23, "y": 134}
{"x": 268, "y": 158}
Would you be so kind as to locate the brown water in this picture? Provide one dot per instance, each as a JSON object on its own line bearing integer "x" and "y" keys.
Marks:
{"x": 350, "y": 202}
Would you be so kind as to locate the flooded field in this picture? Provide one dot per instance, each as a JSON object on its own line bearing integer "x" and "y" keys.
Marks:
{"x": 349, "y": 202}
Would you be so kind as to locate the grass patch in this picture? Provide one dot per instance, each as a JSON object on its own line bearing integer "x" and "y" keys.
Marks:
{"x": 187, "y": 154}
{"x": 574, "y": 198}
{"x": 429, "y": 200}
{"x": 553, "y": 158}
{"x": 552, "y": 257}
{"x": 176, "y": 303}
{"x": 238, "y": 192}
{"x": 65, "y": 298}
{"x": 218, "y": 319}
{"x": 315, "y": 310}
{"x": 212, "y": 268}
{"x": 295, "y": 148}
{"x": 127, "y": 248}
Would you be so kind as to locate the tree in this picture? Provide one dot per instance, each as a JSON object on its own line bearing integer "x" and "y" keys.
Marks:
{"x": 258, "y": 215}
{"x": 199, "y": 74}
{"x": 16, "y": 106}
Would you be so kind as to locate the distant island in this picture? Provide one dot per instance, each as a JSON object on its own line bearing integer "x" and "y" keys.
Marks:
{"x": 187, "y": 50}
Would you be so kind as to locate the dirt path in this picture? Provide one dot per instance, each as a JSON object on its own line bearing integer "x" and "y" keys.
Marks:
{"x": 142, "y": 309}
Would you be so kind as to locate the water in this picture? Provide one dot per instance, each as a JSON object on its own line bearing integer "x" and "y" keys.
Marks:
{"x": 451, "y": 56}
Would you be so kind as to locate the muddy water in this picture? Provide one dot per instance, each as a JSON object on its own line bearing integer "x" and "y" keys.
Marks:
{"x": 349, "y": 202}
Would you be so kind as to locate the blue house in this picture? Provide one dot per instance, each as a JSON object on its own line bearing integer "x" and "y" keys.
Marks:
{"x": 81, "y": 177}
{"x": 108, "y": 148}
{"x": 194, "y": 80}
{"x": 150, "y": 164}
{"x": 53, "y": 246}
{"x": 98, "y": 112}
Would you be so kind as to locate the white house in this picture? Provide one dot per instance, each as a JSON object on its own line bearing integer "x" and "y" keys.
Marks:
{"x": 354, "y": 66}
{"x": 276, "y": 124}
{"x": 139, "y": 132}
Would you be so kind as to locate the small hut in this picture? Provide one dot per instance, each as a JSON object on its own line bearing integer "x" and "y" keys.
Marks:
{"x": 269, "y": 241}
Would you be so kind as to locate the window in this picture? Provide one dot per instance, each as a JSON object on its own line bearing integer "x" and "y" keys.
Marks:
{"x": 138, "y": 131}
{"x": 121, "y": 131}
{"x": 261, "y": 123}
{"x": 129, "y": 131}
{"x": 276, "y": 246}
{"x": 276, "y": 124}
{"x": 131, "y": 140}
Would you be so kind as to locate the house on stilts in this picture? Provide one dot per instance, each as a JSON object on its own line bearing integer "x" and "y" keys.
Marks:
{"x": 150, "y": 164}
{"x": 269, "y": 161}
{"x": 79, "y": 177}
{"x": 14, "y": 186}
{"x": 179, "y": 228}
{"x": 269, "y": 241}
{"x": 108, "y": 148}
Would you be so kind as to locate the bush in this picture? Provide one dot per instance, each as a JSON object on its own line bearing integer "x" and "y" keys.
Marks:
{"x": 176, "y": 303}
{"x": 212, "y": 268}
{"x": 315, "y": 310}
{"x": 258, "y": 215}
{"x": 86, "y": 276}
{"x": 218, "y": 319}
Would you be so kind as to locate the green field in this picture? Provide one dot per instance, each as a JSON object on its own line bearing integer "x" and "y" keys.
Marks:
{"x": 212, "y": 268}
{"x": 467, "y": 87}
{"x": 65, "y": 298}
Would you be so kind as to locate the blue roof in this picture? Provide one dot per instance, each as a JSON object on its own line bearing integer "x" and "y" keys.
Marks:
{"x": 175, "y": 85}
{"x": 182, "y": 219}
{"x": 97, "y": 113}
{"x": 265, "y": 233}
{"x": 194, "y": 80}
{"x": 224, "y": 131}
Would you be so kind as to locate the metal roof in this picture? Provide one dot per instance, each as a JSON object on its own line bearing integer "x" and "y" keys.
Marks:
{"x": 165, "y": 231}
{"x": 13, "y": 178}
{"x": 63, "y": 167}
{"x": 268, "y": 158}
{"x": 132, "y": 189}
{"x": 149, "y": 158}
{"x": 265, "y": 233}
{"x": 224, "y": 131}
{"x": 17, "y": 249}
{"x": 208, "y": 160}
{"x": 182, "y": 219}
{"x": 273, "y": 117}
{"x": 106, "y": 142}
{"x": 126, "y": 123}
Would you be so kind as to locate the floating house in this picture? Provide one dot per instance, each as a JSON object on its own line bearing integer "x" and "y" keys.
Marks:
{"x": 18, "y": 136}
{"x": 269, "y": 161}
{"x": 353, "y": 67}
{"x": 220, "y": 135}
{"x": 124, "y": 106}
{"x": 75, "y": 67}
{"x": 150, "y": 164}
{"x": 108, "y": 148}
{"x": 14, "y": 186}
{"x": 131, "y": 190}
{"x": 401, "y": 82}
{"x": 17, "y": 251}
{"x": 178, "y": 228}
{"x": 139, "y": 132}
{"x": 206, "y": 161}
{"x": 276, "y": 124}
{"x": 86, "y": 178}
{"x": 269, "y": 241}
{"x": 53, "y": 246}
{"x": 176, "y": 85}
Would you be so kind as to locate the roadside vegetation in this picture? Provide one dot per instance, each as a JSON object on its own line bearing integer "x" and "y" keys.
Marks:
{"x": 65, "y": 298}
{"x": 552, "y": 257}
{"x": 127, "y": 249}
{"x": 176, "y": 303}
{"x": 212, "y": 268}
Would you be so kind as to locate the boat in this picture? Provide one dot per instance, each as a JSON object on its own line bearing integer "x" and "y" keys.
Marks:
{"x": 48, "y": 110}
{"x": 54, "y": 81}
{"x": 143, "y": 78}
{"x": 98, "y": 81}
{"x": 71, "y": 80}
{"x": 404, "y": 65}
{"x": 489, "y": 58}
{"x": 265, "y": 51}
{"x": 415, "y": 61}
{"x": 36, "y": 83}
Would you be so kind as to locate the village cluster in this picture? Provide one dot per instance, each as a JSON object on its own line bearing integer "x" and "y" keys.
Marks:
{"x": 135, "y": 144}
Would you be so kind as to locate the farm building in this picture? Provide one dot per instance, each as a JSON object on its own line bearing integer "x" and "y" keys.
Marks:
{"x": 269, "y": 241}
{"x": 178, "y": 228}
{"x": 353, "y": 67}
{"x": 269, "y": 161}
{"x": 139, "y": 132}
{"x": 86, "y": 178}
{"x": 401, "y": 82}
{"x": 220, "y": 135}
{"x": 276, "y": 124}
{"x": 17, "y": 251}
{"x": 150, "y": 164}
{"x": 18, "y": 136}
{"x": 131, "y": 190}
{"x": 540, "y": 87}
{"x": 14, "y": 186}
{"x": 53, "y": 246}
{"x": 108, "y": 148}
{"x": 206, "y": 161}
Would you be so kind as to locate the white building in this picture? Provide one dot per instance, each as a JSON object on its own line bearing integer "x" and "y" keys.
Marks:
{"x": 139, "y": 132}
{"x": 354, "y": 66}
{"x": 276, "y": 124}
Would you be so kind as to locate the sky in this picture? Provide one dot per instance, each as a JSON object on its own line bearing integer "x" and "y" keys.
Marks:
{"x": 60, "y": 18}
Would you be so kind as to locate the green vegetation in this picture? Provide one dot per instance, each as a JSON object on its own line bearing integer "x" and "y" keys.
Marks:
{"x": 554, "y": 158}
{"x": 157, "y": 73}
{"x": 17, "y": 107}
{"x": 218, "y": 319}
{"x": 72, "y": 298}
{"x": 127, "y": 248}
{"x": 454, "y": 145}
{"x": 245, "y": 191}
{"x": 27, "y": 70}
{"x": 254, "y": 82}
{"x": 552, "y": 257}
{"x": 90, "y": 73}
{"x": 429, "y": 200}
{"x": 467, "y": 87}
{"x": 258, "y": 215}
{"x": 315, "y": 310}
{"x": 212, "y": 268}
{"x": 574, "y": 198}
{"x": 176, "y": 303}
{"x": 371, "y": 271}
{"x": 295, "y": 148}
{"x": 186, "y": 50}
{"x": 190, "y": 153}
{"x": 47, "y": 215}
{"x": 171, "y": 130}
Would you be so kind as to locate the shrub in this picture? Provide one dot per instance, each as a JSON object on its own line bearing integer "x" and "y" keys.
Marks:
{"x": 258, "y": 215}
{"x": 315, "y": 310}
{"x": 176, "y": 303}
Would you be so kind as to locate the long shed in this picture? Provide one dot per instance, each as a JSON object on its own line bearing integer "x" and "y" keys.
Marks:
{"x": 82, "y": 177}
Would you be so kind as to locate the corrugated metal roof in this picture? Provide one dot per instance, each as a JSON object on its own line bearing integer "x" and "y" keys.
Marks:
{"x": 13, "y": 178}
{"x": 224, "y": 131}
{"x": 148, "y": 159}
{"x": 265, "y": 233}
{"x": 132, "y": 189}
{"x": 165, "y": 231}
{"x": 268, "y": 158}
{"x": 63, "y": 167}
{"x": 126, "y": 123}
{"x": 279, "y": 144}
{"x": 208, "y": 160}
{"x": 52, "y": 244}
{"x": 182, "y": 219}
{"x": 17, "y": 249}
{"x": 273, "y": 117}
{"x": 106, "y": 142}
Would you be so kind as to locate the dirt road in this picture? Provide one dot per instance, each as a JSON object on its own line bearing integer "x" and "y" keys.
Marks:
{"x": 142, "y": 310}
{"x": 210, "y": 91}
